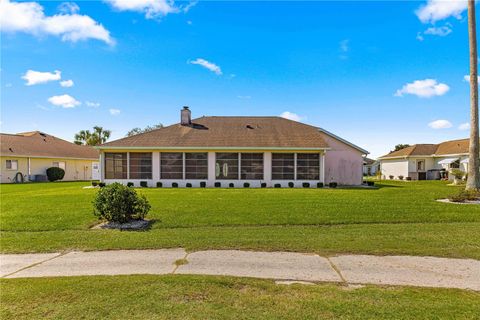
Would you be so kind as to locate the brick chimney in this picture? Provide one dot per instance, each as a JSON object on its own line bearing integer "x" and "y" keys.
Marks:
{"x": 185, "y": 116}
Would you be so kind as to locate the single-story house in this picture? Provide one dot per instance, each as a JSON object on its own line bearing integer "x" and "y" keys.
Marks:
{"x": 426, "y": 161}
{"x": 370, "y": 167}
{"x": 26, "y": 157}
{"x": 232, "y": 151}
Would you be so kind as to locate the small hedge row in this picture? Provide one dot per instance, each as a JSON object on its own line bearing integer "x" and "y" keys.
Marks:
{"x": 203, "y": 184}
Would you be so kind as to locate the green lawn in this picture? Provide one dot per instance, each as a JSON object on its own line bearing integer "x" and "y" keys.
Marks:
{"x": 397, "y": 218}
{"x": 196, "y": 297}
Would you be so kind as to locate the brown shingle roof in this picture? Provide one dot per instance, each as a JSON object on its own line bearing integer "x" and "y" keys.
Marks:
{"x": 242, "y": 132}
{"x": 444, "y": 148}
{"x": 39, "y": 144}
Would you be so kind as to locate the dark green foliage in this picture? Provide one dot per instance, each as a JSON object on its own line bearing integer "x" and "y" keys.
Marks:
{"x": 400, "y": 177}
{"x": 231, "y": 185}
{"x": 217, "y": 184}
{"x": 159, "y": 184}
{"x": 55, "y": 173}
{"x": 143, "y": 184}
{"x": 174, "y": 185}
{"x": 408, "y": 178}
{"x": 94, "y": 183}
{"x": 465, "y": 195}
{"x": 263, "y": 185}
{"x": 370, "y": 183}
{"x": 102, "y": 184}
{"x": 291, "y": 184}
{"x": 277, "y": 185}
{"x": 320, "y": 185}
{"x": 333, "y": 184}
{"x": 391, "y": 177}
{"x": 189, "y": 185}
{"x": 203, "y": 184}
{"x": 119, "y": 203}
{"x": 246, "y": 185}
{"x": 306, "y": 185}
{"x": 130, "y": 184}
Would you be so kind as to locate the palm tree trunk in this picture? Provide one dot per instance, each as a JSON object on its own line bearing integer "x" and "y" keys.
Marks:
{"x": 473, "y": 181}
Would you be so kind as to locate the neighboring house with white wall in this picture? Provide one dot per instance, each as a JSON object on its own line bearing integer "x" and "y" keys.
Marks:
{"x": 370, "y": 167}
{"x": 426, "y": 161}
{"x": 225, "y": 151}
{"x": 28, "y": 155}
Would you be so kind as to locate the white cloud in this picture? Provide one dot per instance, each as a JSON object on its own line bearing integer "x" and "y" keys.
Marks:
{"x": 28, "y": 17}
{"x": 466, "y": 78}
{"x": 291, "y": 116}
{"x": 439, "y": 31}
{"x": 36, "y": 77}
{"x": 436, "y": 10}
{"x": 344, "y": 45}
{"x": 64, "y": 101}
{"x": 440, "y": 124}
{"x": 207, "y": 64}
{"x": 152, "y": 8}
{"x": 66, "y": 83}
{"x": 464, "y": 126}
{"x": 68, "y": 7}
{"x": 92, "y": 104}
{"x": 114, "y": 112}
{"x": 420, "y": 36}
{"x": 423, "y": 88}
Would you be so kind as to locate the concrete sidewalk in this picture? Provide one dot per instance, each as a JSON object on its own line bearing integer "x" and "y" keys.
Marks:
{"x": 348, "y": 269}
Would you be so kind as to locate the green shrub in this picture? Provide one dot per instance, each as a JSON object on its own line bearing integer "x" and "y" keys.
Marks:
{"x": 291, "y": 184}
{"x": 55, "y": 173}
{"x": 263, "y": 185}
{"x": 159, "y": 184}
{"x": 457, "y": 173}
{"x": 400, "y": 177}
{"x": 203, "y": 184}
{"x": 246, "y": 185}
{"x": 102, "y": 184}
{"x": 391, "y": 177}
{"x": 189, "y": 185}
{"x": 143, "y": 184}
{"x": 320, "y": 185}
{"x": 465, "y": 195}
{"x": 130, "y": 184}
{"x": 277, "y": 185}
{"x": 174, "y": 185}
{"x": 231, "y": 185}
{"x": 306, "y": 185}
{"x": 408, "y": 178}
{"x": 119, "y": 203}
{"x": 217, "y": 184}
{"x": 333, "y": 184}
{"x": 370, "y": 183}
{"x": 94, "y": 183}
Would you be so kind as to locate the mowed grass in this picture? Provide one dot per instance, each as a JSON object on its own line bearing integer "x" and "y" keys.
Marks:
{"x": 397, "y": 218}
{"x": 196, "y": 297}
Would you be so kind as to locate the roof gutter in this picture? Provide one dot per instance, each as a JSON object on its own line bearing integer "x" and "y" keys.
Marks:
{"x": 210, "y": 148}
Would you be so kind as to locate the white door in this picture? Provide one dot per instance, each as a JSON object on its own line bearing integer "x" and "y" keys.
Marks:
{"x": 95, "y": 171}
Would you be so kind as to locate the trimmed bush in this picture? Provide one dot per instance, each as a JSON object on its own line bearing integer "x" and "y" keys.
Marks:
{"x": 291, "y": 185}
{"x": 118, "y": 203}
{"x": 143, "y": 184}
{"x": 246, "y": 185}
{"x": 306, "y": 185}
{"x": 217, "y": 184}
{"x": 203, "y": 184}
{"x": 408, "y": 178}
{"x": 263, "y": 185}
{"x": 277, "y": 185}
{"x": 94, "y": 183}
{"x": 465, "y": 195}
{"x": 189, "y": 185}
{"x": 174, "y": 185}
{"x": 333, "y": 184}
{"x": 55, "y": 173}
{"x": 159, "y": 184}
{"x": 102, "y": 184}
{"x": 130, "y": 184}
{"x": 457, "y": 173}
{"x": 231, "y": 185}
{"x": 370, "y": 183}
{"x": 320, "y": 185}
{"x": 391, "y": 177}
{"x": 400, "y": 177}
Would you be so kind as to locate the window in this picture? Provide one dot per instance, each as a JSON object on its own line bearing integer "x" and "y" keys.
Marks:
{"x": 60, "y": 164}
{"x": 196, "y": 166}
{"x": 455, "y": 164}
{"x": 251, "y": 166}
{"x": 226, "y": 166}
{"x": 171, "y": 165}
{"x": 283, "y": 166}
{"x": 12, "y": 164}
{"x": 115, "y": 166}
{"x": 420, "y": 165}
{"x": 140, "y": 165}
{"x": 308, "y": 166}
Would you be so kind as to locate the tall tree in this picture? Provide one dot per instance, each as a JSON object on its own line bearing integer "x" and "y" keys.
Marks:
{"x": 137, "y": 130}
{"x": 400, "y": 147}
{"x": 98, "y": 136}
{"x": 473, "y": 180}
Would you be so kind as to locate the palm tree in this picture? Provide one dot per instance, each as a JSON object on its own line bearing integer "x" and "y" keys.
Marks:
{"x": 98, "y": 136}
{"x": 473, "y": 180}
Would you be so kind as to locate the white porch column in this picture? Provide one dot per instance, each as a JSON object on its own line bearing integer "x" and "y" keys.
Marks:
{"x": 267, "y": 168}
{"x": 155, "y": 166}
{"x": 322, "y": 167}
{"x": 128, "y": 165}
{"x": 102, "y": 166}
{"x": 211, "y": 169}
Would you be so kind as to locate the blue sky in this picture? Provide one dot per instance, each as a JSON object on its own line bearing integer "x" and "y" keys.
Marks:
{"x": 348, "y": 67}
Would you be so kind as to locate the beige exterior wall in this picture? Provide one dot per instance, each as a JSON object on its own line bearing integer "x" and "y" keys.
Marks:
{"x": 394, "y": 167}
{"x": 75, "y": 169}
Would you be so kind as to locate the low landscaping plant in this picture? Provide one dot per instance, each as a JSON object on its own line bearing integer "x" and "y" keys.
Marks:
{"x": 306, "y": 185}
{"x": 102, "y": 184}
{"x": 320, "y": 185}
{"x": 55, "y": 173}
{"x": 263, "y": 185}
{"x": 370, "y": 183}
{"x": 118, "y": 203}
{"x": 130, "y": 184}
{"x": 391, "y": 177}
{"x": 277, "y": 185}
{"x": 464, "y": 195}
{"x": 174, "y": 185}
{"x": 400, "y": 177}
{"x": 408, "y": 178}
{"x": 159, "y": 184}
{"x": 189, "y": 185}
{"x": 231, "y": 185}
{"x": 333, "y": 184}
{"x": 217, "y": 184}
{"x": 291, "y": 185}
{"x": 94, "y": 183}
{"x": 143, "y": 184}
{"x": 246, "y": 185}
{"x": 203, "y": 184}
